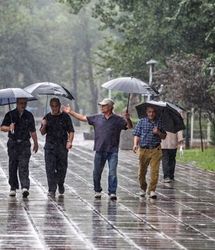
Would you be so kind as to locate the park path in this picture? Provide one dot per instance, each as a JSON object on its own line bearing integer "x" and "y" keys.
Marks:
{"x": 183, "y": 216}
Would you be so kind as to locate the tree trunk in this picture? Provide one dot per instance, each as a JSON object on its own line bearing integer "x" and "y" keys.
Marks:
{"x": 200, "y": 129}
{"x": 93, "y": 87}
{"x": 89, "y": 66}
{"x": 75, "y": 84}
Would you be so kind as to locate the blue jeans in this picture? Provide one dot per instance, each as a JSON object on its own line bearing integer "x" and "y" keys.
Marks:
{"x": 99, "y": 163}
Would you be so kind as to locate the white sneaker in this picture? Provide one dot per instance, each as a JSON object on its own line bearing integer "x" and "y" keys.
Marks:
{"x": 141, "y": 193}
{"x": 61, "y": 196}
{"x": 167, "y": 180}
{"x": 113, "y": 197}
{"x": 98, "y": 195}
{"x": 152, "y": 195}
{"x": 12, "y": 193}
{"x": 25, "y": 193}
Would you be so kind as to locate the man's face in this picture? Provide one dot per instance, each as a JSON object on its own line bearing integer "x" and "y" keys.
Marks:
{"x": 21, "y": 104}
{"x": 55, "y": 108}
{"x": 151, "y": 113}
{"x": 105, "y": 108}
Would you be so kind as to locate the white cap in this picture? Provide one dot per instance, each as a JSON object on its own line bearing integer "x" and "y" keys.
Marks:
{"x": 106, "y": 101}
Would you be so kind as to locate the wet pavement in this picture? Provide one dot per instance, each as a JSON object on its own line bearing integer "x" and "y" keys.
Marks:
{"x": 183, "y": 216}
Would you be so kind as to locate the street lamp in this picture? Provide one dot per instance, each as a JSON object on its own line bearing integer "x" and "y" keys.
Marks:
{"x": 211, "y": 70}
{"x": 151, "y": 64}
{"x": 109, "y": 74}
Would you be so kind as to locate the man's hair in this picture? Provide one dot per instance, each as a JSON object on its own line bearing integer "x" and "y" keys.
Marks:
{"x": 151, "y": 107}
{"x": 21, "y": 98}
{"x": 56, "y": 100}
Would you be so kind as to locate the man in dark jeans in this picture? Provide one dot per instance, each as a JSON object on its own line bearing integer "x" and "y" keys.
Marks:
{"x": 107, "y": 128}
{"x": 59, "y": 132}
{"x": 20, "y": 125}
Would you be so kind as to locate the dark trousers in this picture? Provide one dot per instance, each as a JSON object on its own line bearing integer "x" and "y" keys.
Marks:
{"x": 168, "y": 162}
{"x": 19, "y": 156}
{"x": 56, "y": 159}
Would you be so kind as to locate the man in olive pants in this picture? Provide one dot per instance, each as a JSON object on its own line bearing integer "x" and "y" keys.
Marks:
{"x": 147, "y": 137}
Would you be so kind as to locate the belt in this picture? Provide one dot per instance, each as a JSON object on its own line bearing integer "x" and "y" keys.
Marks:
{"x": 18, "y": 140}
{"x": 150, "y": 147}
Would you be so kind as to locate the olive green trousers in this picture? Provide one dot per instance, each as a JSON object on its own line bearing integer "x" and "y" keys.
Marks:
{"x": 150, "y": 157}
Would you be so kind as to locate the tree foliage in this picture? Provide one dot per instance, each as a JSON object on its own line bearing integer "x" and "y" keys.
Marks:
{"x": 187, "y": 82}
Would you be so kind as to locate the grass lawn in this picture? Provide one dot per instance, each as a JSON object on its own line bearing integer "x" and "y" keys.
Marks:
{"x": 205, "y": 160}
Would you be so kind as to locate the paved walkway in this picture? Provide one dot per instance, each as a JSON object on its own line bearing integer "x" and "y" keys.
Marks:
{"x": 183, "y": 216}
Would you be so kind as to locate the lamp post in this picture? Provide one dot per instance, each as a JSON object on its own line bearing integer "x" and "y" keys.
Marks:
{"x": 109, "y": 74}
{"x": 151, "y": 64}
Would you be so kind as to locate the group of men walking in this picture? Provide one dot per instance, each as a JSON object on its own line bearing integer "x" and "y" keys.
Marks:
{"x": 59, "y": 131}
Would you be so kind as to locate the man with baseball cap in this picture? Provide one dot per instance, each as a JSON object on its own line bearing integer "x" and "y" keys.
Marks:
{"x": 107, "y": 127}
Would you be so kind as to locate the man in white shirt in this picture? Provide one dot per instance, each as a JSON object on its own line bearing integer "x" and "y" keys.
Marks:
{"x": 169, "y": 149}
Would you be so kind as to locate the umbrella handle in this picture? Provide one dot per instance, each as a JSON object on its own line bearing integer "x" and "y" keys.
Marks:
{"x": 128, "y": 102}
{"x": 11, "y": 118}
{"x": 46, "y": 108}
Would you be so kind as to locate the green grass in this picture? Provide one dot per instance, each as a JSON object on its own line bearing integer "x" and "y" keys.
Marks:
{"x": 205, "y": 160}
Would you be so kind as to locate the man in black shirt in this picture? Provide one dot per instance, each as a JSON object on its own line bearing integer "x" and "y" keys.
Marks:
{"x": 59, "y": 132}
{"x": 20, "y": 125}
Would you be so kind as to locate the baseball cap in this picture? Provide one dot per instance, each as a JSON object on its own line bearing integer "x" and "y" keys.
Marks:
{"x": 106, "y": 101}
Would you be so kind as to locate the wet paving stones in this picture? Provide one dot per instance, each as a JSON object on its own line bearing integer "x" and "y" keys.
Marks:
{"x": 182, "y": 217}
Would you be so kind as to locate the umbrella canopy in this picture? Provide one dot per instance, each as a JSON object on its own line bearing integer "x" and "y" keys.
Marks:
{"x": 9, "y": 95}
{"x": 48, "y": 88}
{"x": 171, "y": 119}
{"x": 129, "y": 85}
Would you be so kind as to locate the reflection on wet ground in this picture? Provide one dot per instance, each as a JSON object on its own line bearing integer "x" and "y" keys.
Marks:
{"x": 182, "y": 217}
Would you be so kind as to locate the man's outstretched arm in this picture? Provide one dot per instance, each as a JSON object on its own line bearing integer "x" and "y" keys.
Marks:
{"x": 71, "y": 112}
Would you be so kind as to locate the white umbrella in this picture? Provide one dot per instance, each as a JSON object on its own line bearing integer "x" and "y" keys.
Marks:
{"x": 9, "y": 95}
{"x": 130, "y": 85}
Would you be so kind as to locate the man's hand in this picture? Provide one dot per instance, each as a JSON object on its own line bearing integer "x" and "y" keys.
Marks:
{"x": 12, "y": 127}
{"x": 156, "y": 131}
{"x": 127, "y": 116}
{"x": 43, "y": 122}
{"x": 68, "y": 145}
{"x": 35, "y": 147}
{"x": 43, "y": 126}
{"x": 135, "y": 148}
{"x": 129, "y": 122}
{"x": 67, "y": 109}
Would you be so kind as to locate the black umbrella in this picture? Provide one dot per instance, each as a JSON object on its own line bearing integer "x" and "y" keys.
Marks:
{"x": 129, "y": 85}
{"x": 48, "y": 88}
{"x": 171, "y": 119}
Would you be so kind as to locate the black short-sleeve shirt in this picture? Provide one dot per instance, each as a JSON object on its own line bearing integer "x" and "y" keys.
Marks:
{"x": 107, "y": 131}
{"x": 24, "y": 124}
{"x": 58, "y": 127}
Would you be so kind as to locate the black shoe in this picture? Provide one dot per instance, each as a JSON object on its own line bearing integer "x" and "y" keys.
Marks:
{"x": 25, "y": 193}
{"x": 61, "y": 189}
